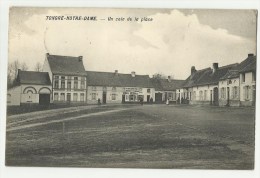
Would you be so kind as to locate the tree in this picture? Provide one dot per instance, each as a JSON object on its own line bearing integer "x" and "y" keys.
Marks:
{"x": 13, "y": 71}
{"x": 159, "y": 76}
{"x": 38, "y": 67}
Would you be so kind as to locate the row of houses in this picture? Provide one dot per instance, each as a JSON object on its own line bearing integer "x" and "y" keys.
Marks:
{"x": 230, "y": 85}
{"x": 65, "y": 80}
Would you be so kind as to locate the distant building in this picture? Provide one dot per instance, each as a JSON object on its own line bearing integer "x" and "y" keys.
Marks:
{"x": 114, "y": 87}
{"x": 166, "y": 89}
{"x": 68, "y": 77}
{"x": 231, "y": 85}
{"x": 30, "y": 88}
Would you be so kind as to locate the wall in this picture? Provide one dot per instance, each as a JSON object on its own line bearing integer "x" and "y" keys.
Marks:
{"x": 13, "y": 96}
{"x": 119, "y": 92}
{"x": 30, "y": 93}
{"x": 233, "y": 99}
{"x": 248, "y": 100}
{"x": 197, "y": 98}
{"x": 69, "y": 91}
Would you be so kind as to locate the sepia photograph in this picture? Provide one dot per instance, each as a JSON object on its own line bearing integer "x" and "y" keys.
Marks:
{"x": 131, "y": 88}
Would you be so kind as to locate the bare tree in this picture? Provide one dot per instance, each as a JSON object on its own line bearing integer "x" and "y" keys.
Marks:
{"x": 38, "y": 67}
{"x": 159, "y": 76}
{"x": 24, "y": 67}
{"x": 13, "y": 71}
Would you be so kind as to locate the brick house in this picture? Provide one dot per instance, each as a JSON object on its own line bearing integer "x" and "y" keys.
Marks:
{"x": 68, "y": 78}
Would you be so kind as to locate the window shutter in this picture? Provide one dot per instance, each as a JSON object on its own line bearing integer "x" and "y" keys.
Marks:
{"x": 249, "y": 93}
{"x": 244, "y": 92}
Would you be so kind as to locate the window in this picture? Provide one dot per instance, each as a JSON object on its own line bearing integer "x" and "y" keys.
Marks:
{"x": 75, "y": 96}
{"x": 113, "y": 88}
{"x": 56, "y": 96}
{"x": 113, "y": 96}
{"x": 201, "y": 95}
{"x": 223, "y": 92}
{"x": 205, "y": 95}
{"x": 62, "y": 96}
{"x": 148, "y": 90}
{"x": 75, "y": 82}
{"x": 253, "y": 76}
{"x": 104, "y": 88}
{"x": 247, "y": 92}
{"x": 243, "y": 77}
{"x": 93, "y": 96}
{"x": 194, "y": 95}
{"x": 235, "y": 92}
{"x": 81, "y": 96}
{"x": 170, "y": 96}
{"x": 69, "y": 85}
{"x": 56, "y": 82}
{"x": 82, "y": 83}
{"x": 62, "y": 82}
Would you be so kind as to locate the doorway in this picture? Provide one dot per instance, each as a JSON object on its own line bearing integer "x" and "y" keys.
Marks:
{"x": 215, "y": 96}
{"x": 104, "y": 98}
{"x": 44, "y": 99}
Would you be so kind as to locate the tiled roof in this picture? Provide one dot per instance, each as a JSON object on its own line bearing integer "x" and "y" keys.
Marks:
{"x": 117, "y": 80}
{"x": 165, "y": 84}
{"x": 34, "y": 78}
{"x": 249, "y": 64}
{"x": 66, "y": 65}
{"x": 207, "y": 76}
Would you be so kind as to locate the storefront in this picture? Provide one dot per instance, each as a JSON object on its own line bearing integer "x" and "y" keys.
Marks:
{"x": 133, "y": 94}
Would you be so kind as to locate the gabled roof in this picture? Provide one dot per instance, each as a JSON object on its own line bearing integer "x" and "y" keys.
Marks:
{"x": 66, "y": 65}
{"x": 207, "y": 76}
{"x": 165, "y": 84}
{"x": 33, "y": 78}
{"x": 117, "y": 80}
{"x": 247, "y": 65}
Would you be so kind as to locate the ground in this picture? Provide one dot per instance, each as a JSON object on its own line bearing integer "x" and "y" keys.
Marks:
{"x": 133, "y": 136}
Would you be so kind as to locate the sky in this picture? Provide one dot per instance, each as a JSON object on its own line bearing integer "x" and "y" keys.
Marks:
{"x": 170, "y": 44}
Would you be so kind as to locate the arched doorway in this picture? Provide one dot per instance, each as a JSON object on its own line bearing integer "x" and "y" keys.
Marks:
{"x": 44, "y": 96}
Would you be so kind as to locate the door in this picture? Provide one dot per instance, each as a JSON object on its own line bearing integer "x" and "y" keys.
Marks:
{"x": 68, "y": 97}
{"x": 215, "y": 96}
{"x": 211, "y": 97}
{"x": 228, "y": 96}
{"x": 158, "y": 97}
{"x": 104, "y": 98}
{"x": 44, "y": 99}
{"x": 123, "y": 98}
{"x": 148, "y": 98}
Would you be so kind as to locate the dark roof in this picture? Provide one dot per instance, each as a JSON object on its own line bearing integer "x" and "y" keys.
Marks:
{"x": 207, "y": 76}
{"x": 247, "y": 65}
{"x": 165, "y": 84}
{"x": 34, "y": 78}
{"x": 66, "y": 65}
{"x": 118, "y": 80}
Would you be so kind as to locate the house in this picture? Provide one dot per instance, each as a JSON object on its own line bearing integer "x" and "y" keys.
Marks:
{"x": 247, "y": 76}
{"x": 68, "y": 78}
{"x": 166, "y": 89}
{"x": 114, "y": 87}
{"x": 30, "y": 88}
{"x": 237, "y": 87}
{"x": 202, "y": 86}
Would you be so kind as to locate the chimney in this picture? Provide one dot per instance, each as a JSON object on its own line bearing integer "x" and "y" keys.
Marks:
{"x": 80, "y": 58}
{"x": 250, "y": 54}
{"x": 215, "y": 67}
{"x": 193, "y": 70}
{"x": 169, "y": 78}
{"x": 116, "y": 72}
{"x": 133, "y": 74}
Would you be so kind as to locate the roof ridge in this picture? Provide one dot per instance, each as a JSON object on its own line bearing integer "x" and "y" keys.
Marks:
{"x": 117, "y": 73}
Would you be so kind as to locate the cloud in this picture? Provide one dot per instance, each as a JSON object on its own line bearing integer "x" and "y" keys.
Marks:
{"x": 170, "y": 44}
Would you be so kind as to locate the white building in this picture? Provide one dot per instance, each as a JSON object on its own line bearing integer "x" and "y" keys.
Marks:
{"x": 68, "y": 77}
{"x": 30, "y": 88}
{"x": 114, "y": 87}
